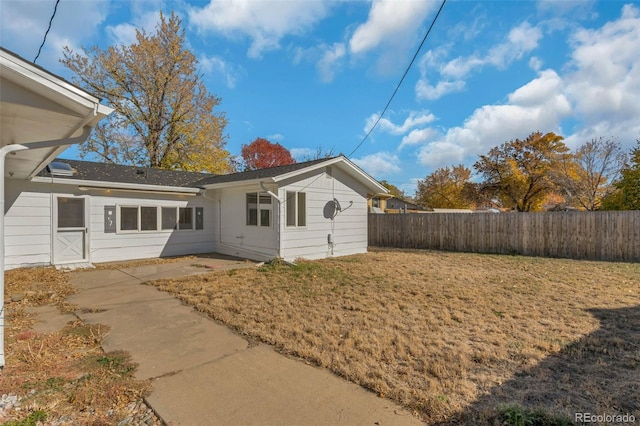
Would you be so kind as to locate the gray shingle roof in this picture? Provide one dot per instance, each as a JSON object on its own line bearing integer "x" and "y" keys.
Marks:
{"x": 87, "y": 170}
{"x": 259, "y": 174}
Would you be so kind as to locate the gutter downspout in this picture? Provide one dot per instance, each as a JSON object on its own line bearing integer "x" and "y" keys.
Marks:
{"x": 3, "y": 153}
{"x": 86, "y": 131}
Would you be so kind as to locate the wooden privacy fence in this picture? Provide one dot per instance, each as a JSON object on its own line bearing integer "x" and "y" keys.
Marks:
{"x": 610, "y": 235}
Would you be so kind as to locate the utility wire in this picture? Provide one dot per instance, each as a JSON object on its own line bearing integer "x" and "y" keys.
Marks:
{"x": 435, "y": 18}
{"x": 55, "y": 8}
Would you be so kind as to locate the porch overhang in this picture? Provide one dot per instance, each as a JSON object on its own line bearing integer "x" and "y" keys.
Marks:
{"x": 37, "y": 106}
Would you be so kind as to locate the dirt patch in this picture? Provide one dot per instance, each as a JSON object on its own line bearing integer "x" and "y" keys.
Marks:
{"x": 455, "y": 337}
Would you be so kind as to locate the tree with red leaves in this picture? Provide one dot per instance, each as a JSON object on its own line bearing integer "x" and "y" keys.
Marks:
{"x": 261, "y": 154}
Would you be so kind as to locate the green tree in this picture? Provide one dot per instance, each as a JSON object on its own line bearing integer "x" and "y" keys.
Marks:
{"x": 587, "y": 176}
{"x": 164, "y": 116}
{"x": 627, "y": 194}
{"x": 519, "y": 172}
{"x": 447, "y": 187}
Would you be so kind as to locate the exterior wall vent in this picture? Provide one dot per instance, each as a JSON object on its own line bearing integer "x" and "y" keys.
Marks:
{"x": 58, "y": 168}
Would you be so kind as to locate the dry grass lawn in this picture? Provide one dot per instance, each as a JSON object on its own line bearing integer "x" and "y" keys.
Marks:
{"x": 62, "y": 377}
{"x": 455, "y": 337}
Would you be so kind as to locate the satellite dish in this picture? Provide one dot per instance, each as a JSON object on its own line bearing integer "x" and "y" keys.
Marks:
{"x": 331, "y": 209}
{"x": 337, "y": 204}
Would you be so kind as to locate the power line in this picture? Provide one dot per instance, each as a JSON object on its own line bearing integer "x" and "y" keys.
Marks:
{"x": 55, "y": 8}
{"x": 435, "y": 18}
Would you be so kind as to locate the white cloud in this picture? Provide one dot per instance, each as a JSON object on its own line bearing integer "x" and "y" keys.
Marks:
{"x": 418, "y": 137}
{"x": 392, "y": 29}
{"x": 278, "y": 137}
{"x": 216, "y": 66}
{"x": 301, "y": 153}
{"x": 415, "y": 118}
{"x": 265, "y": 22}
{"x": 426, "y": 91}
{"x": 604, "y": 81}
{"x": 535, "y": 63}
{"x": 565, "y": 7}
{"x": 438, "y": 154}
{"x": 329, "y": 64}
{"x": 538, "y": 105}
{"x": 521, "y": 40}
{"x": 379, "y": 164}
{"x": 389, "y": 20}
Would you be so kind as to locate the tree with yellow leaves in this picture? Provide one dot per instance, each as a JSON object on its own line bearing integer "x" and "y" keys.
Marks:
{"x": 164, "y": 116}
{"x": 447, "y": 187}
{"x": 519, "y": 172}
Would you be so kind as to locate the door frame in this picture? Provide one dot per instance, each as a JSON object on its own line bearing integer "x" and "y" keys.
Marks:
{"x": 54, "y": 229}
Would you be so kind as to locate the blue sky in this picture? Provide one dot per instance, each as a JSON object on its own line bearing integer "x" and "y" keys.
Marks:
{"x": 310, "y": 73}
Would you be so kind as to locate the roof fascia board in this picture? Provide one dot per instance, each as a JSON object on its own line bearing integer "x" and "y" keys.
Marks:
{"x": 238, "y": 183}
{"x": 31, "y": 74}
{"x": 116, "y": 185}
{"x": 359, "y": 174}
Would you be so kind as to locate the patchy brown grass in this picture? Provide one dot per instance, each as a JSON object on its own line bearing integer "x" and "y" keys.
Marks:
{"x": 64, "y": 377}
{"x": 452, "y": 336}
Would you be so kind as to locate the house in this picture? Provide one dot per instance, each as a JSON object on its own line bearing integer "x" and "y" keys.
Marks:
{"x": 79, "y": 212}
{"x": 387, "y": 203}
{"x": 396, "y": 205}
{"x": 69, "y": 212}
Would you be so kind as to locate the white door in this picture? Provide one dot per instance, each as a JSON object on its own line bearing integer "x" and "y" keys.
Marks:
{"x": 70, "y": 240}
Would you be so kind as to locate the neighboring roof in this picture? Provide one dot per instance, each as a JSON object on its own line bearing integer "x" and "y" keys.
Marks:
{"x": 260, "y": 173}
{"x": 90, "y": 171}
{"x": 396, "y": 203}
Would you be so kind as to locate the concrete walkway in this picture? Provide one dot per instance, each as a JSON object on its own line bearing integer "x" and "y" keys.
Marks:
{"x": 202, "y": 372}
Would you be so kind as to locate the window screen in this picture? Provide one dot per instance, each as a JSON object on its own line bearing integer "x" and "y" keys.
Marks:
{"x": 70, "y": 212}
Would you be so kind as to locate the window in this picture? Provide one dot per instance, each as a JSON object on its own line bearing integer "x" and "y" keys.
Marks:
{"x": 70, "y": 212}
{"x": 185, "y": 219}
{"x": 296, "y": 209}
{"x": 148, "y": 218}
{"x": 155, "y": 218}
{"x": 169, "y": 218}
{"x": 375, "y": 202}
{"x": 128, "y": 218}
{"x": 252, "y": 209}
{"x": 258, "y": 209}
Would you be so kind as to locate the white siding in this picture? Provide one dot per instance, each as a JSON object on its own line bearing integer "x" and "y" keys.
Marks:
{"x": 28, "y": 226}
{"x": 236, "y": 238}
{"x": 107, "y": 247}
{"x": 348, "y": 228}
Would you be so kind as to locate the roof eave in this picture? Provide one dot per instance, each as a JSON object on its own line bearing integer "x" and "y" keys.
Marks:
{"x": 116, "y": 185}
{"x": 238, "y": 183}
{"x": 360, "y": 174}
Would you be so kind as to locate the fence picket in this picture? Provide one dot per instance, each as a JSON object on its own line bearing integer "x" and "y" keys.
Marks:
{"x": 607, "y": 235}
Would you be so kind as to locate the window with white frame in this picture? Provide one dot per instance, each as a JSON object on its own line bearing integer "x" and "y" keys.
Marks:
{"x": 296, "y": 208}
{"x": 258, "y": 209}
{"x": 156, "y": 218}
